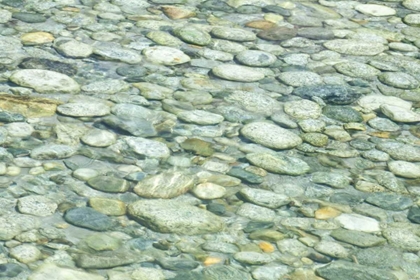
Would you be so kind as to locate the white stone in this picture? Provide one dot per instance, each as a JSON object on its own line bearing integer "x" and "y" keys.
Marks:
{"x": 36, "y": 205}
{"x": 375, "y": 10}
{"x": 412, "y": 4}
{"x": 200, "y": 117}
{"x": 374, "y": 102}
{"x": 80, "y": 109}
{"x": 399, "y": 114}
{"x": 25, "y": 253}
{"x": 5, "y": 16}
{"x": 45, "y": 81}
{"x": 72, "y": 48}
{"x": 147, "y": 147}
{"x": 99, "y": 138}
{"x": 358, "y": 222}
{"x": 404, "y": 169}
{"x": 165, "y": 55}
{"x": 237, "y": 73}
{"x": 209, "y": 191}
{"x": 19, "y": 129}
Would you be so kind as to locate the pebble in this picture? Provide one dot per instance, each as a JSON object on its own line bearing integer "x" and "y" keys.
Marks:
{"x": 279, "y": 164}
{"x": 164, "y": 185}
{"x": 237, "y": 73}
{"x": 174, "y": 217}
{"x": 166, "y": 55}
{"x": 270, "y": 135}
{"x": 288, "y": 126}
{"x": 45, "y": 81}
{"x": 88, "y": 218}
{"x": 358, "y": 222}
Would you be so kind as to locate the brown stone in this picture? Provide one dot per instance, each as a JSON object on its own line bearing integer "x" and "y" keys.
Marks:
{"x": 325, "y": 213}
{"x": 260, "y": 24}
{"x": 174, "y": 12}
{"x": 31, "y": 107}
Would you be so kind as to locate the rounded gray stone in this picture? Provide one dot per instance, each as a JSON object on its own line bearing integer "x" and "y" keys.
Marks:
{"x": 300, "y": 78}
{"x": 36, "y": 205}
{"x": 53, "y": 151}
{"x": 399, "y": 80}
{"x": 354, "y": 47}
{"x": 256, "y": 58}
{"x": 193, "y": 35}
{"x": 279, "y": 163}
{"x": 99, "y": 138}
{"x": 165, "y": 55}
{"x": 233, "y": 34}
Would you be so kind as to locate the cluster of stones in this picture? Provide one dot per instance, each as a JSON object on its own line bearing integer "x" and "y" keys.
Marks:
{"x": 214, "y": 140}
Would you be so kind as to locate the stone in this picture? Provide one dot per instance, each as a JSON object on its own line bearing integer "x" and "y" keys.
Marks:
{"x": 209, "y": 191}
{"x": 193, "y": 35}
{"x": 264, "y": 198}
{"x": 302, "y": 109}
{"x": 200, "y": 117}
{"x": 247, "y": 175}
{"x": 164, "y": 185}
{"x": 414, "y": 215}
{"x": 88, "y": 218}
{"x": 383, "y": 124}
{"x": 114, "y": 52}
{"x": 353, "y": 47}
{"x": 237, "y": 73}
{"x": 147, "y": 147}
{"x": 25, "y": 253}
{"x": 252, "y": 258}
{"x": 170, "y": 216}
{"x": 402, "y": 238}
{"x": 358, "y": 222}
{"x": 254, "y": 102}
{"x": 45, "y": 81}
{"x": 108, "y": 86}
{"x": 358, "y": 238}
{"x": 80, "y": 109}
{"x": 335, "y": 180}
{"x": 27, "y": 106}
{"x": 357, "y": 70}
{"x": 352, "y": 271}
{"x": 99, "y": 138}
{"x": 175, "y": 12}
{"x": 390, "y": 201}
{"x": 36, "y": 38}
{"x": 102, "y": 242}
{"x": 19, "y": 129}
{"x": 315, "y": 139}
{"x": 152, "y": 91}
{"x": 53, "y": 151}
{"x": 331, "y": 94}
{"x": 374, "y": 102}
{"x": 233, "y": 34}
{"x": 48, "y": 64}
{"x": 256, "y": 58}
{"x": 399, "y": 80}
{"x": 292, "y": 247}
{"x": 278, "y": 33}
{"x": 412, "y": 20}
{"x": 375, "y": 10}
{"x": 198, "y": 146}
{"x": 270, "y": 135}
{"x": 224, "y": 272}
{"x": 332, "y": 249}
{"x": 400, "y": 151}
{"x": 51, "y": 271}
{"x": 72, "y": 48}
{"x": 165, "y": 55}
{"x": 404, "y": 169}
{"x": 164, "y": 38}
{"x": 29, "y": 17}
{"x": 279, "y": 163}
{"x": 36, "y": 205}
{"x": 256, "y": 213}
{"x": 300, "y": 78}
{"x": 109, "y": 259}
{"x": 109, "y": 184}
{"x": 107, "y": 206}
{"x": 344, "y": 114}
{"x": 399, "y": 114}
{"x": 412, "y": 4}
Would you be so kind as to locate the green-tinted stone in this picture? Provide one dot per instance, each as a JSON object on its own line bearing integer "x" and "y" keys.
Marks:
{"x": 198, "y": 146}
{"x": 344, "y": 114}
{"x": 245, "y": 175}
{"x": 267, "y": 235}
{"x": 109, "y": 184}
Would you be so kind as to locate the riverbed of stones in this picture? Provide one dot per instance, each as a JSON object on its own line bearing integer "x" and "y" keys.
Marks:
{"x": 214, "y": 140}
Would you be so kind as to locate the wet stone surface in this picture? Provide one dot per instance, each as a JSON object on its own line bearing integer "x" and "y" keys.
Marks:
{"x": 237, "y": 139}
